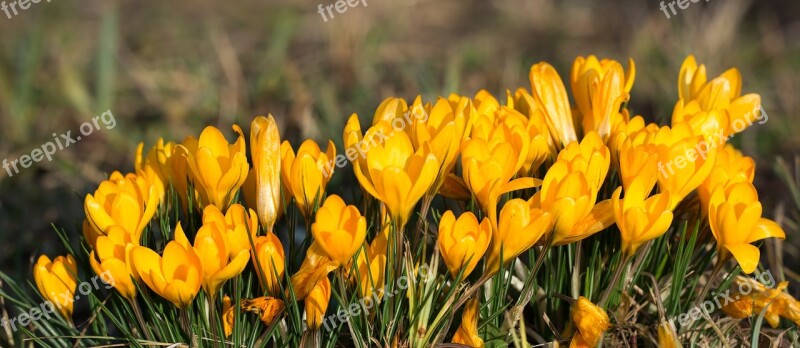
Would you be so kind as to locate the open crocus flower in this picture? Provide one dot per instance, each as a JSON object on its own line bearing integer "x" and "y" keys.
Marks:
{"x": 638, "y": 162}
{"x": 395, "y": 173}
{"x": 443, "y": 127}
{"x": 317, "y": 303}
{"x": 129, "y": 202}
{"x": 303, "y": 173}
{"x": 600, "y": 88}
{"x": 549, "y": 92}
{"x": 177, "y": 275}
{"x": 112, "y": 254}
{"x": 270, "y": 258}
{"x": 570, "y": 189}
{"x": 339, "y": 229}
{"x": 265, "y": 151}
{"x": 218, "y": 169}
{"x": 684, "y": 160}
{"x": 491, "y": 160}
{"x": 634, "y": 130}
{"x": 734, "y": 214}
{"x": 463, "y": 241}
{"x": 219, "y": 264}
{"x": 467, "y": 333}
{"x": 235, "y": 225}
{"x": 57, "y": 281}
{"x": 590, "y": 321}
{"x": 722, "y": 94}
{"x": 541, "y": 146}
{"x": 710, "y": 124}
{"x": 640, "y": 219}
{"x": 730, "y": 167}
{"x": 519, "y": 229}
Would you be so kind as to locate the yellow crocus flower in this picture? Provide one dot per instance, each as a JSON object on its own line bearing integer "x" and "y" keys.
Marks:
{"x": 57, "y": 281}
{"x": 389, "y": 109}
{"x": 520, "y": 227}
{"x": 691, "y": 78}
{"x": 600, "y": 87}
{"x": 541, "y": 146}
{"x": 442, "y": 127}
{"x": 317, "y": 303}
{"x": 265, "y": 151}
{"x": 570, "y": 189}
{"x": 177, "y": 275}
{"x": 112, "y": 254}
{"x": 228, "y": 316}
{"x": 315, "y": 266}
{"x": 218, "y": 169}
{"x": 219, "y": 264}
{"x": 491, "y": 160}
{"x": 639, "y": 218}
{"x": 634, "y": 130}
{"x": 684, "y": 160}
{"x": 129, "y": 202}
{"x": 467, "y": 333}
{"x": 463, "y": 241}
{"x": 734, "y": 112}
{"x": 638, "y": 162}
{"x": 371, "y": 262}
{"x": 590, "y": 321}
{"x": 157, "y": 165}
{"x": 667, "y": 337}
{"x": 181, "y": 174}
{"x": 339, "y": 229}
{"x": 396, "y": 174}
{"x": 734, "y": 214}
{"x": 730, "y": 167}
{"x": 373, "y": 275}
{"x": 777, "y": 302}
{"x": 303, "y": 174}
{"x": 549, "y": 92}
{"x": 270, "y": 258}
{"x": 235, "y": 226}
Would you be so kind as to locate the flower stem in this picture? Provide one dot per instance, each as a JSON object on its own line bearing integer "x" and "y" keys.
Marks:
{"x": 614, "y": 280}
{"x": 527, "y": 289}
{"x": 426, "y": 204}
{"x": 212, "y": 320}
{"x": 138, "y": 313}
{"x": 717, "y": 268}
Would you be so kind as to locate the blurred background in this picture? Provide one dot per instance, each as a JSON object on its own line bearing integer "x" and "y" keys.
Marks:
{"x": 167, "y": 69}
